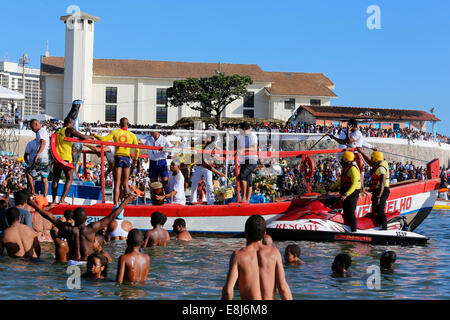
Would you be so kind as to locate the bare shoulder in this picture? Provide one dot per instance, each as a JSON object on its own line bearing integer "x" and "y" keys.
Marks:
{"x": 127, "y": 225}
{"x": 112, "y": 226}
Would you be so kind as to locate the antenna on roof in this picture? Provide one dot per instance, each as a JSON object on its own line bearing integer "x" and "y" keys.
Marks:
{"x": 220, "y": 69}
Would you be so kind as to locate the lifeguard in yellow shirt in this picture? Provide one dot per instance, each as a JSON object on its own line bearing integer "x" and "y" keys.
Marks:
{"x": 349, "y": 185}
{"x": 122, "y": 161}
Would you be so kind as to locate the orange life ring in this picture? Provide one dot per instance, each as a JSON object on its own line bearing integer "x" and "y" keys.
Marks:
{"x": 307, "y": 167}
{"x": 66, "y": 166}
{"x": 359, "y": 161}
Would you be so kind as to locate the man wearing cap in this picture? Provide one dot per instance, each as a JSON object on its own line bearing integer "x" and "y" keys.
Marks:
{"x": 379, "y": 185}
{"x": 349, "y": 185}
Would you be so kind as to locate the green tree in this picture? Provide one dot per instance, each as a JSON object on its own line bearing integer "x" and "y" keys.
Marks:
{"x": 210, "y": 95}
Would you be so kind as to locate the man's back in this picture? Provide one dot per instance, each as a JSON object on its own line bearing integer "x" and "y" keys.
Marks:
{"x": 136, "y": 266}
{"x": 20, "y": 241}
{"x": 257, "y": 264}
{"x": 156, "y": 237}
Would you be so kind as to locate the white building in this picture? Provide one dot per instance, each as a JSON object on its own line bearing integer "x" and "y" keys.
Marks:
{"x": 136, "y": 89}
{"x": 11, "y": 78}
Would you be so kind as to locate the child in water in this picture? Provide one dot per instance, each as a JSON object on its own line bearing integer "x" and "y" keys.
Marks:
{"x": 388, "y": 259}
{"x": 99, "y": 242}
{"x": 133, "y": 265}
{"x": 341, "y": 264}
{"x": 292, "y": 255}
{"x": 97, "y": 266}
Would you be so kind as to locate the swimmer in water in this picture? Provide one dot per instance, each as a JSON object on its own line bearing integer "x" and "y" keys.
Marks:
{"x": 80, "y": 237}
{"x": 96, "y": 267}
{"x": 99, "y": 242}
{"x": 387, "y": 260}
{"x": 341, "y": 264}
{"x": 133, "y": 265}
{"x": 19, "y": 240}
{"x": 158, "y": 236}
{"x": 118, "y": 229}
{"x": 259, "y": 267}
{"x": 292, "y": 255}
{"x": 179, "y": 228}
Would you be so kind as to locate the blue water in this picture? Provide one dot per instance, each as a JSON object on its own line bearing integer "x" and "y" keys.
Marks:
{"x": 197, "y": 270}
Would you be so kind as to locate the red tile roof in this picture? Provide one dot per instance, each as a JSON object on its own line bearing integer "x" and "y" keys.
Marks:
{"x": 338, "y": 112}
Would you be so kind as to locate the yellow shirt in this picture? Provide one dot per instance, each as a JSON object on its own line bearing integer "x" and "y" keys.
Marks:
{"x": 355, "y": 176}
{"x": 63, "y": 148}
{"x": 121, "y": 136}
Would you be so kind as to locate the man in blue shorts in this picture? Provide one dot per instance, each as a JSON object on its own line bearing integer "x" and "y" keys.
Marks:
{"x": 158, "y": 158}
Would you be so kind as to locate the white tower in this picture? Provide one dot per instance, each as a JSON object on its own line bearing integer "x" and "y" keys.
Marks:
{"x": 78, "y": 61}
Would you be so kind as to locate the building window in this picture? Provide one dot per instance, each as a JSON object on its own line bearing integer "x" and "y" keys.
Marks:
{"x": 161, "y": 96}
{"x": 314, "y": 102}
{"x": 161, "y": 114}
{"x": 249, "y": 113}
{"x": 111, "y": 113}
{"x": 289, "y": 104}
{"x": 111, "y": 95}
{"x": 249, "y": 100}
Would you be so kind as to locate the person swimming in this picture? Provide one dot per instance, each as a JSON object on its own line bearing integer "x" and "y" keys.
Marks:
{"x": 267, "y": 240}
{"x": 133, "y": 265}
{"x": 96, "y": 267}
{"x": 292, "y": 255}
{"x": 387, "y": 260}
{"x": 158, "y": 236}
{"x": 179, "y": 228}
{"x": 118, "y": 229}
{"x": 341, "y": 264}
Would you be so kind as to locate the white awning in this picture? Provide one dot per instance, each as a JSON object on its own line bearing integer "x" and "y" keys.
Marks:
{"x": 5, "y": 93}
{"x": 40, "y": 117}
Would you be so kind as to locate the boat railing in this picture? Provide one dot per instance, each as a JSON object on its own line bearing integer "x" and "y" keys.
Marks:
{"x": 228, "y": 155}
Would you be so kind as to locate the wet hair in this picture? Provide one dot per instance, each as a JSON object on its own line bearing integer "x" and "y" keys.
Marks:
{"x": 255, "y": 228}
{"x": 352, "y": 122}
{"x": 103, "y": 261}
{"x": 180, "y": 222}
{"x": 135, "y": 238}
{"x": 387, "y": 258}
{"x": 341, "y": 260}
{"x": 79, "y": 215}
{"x": 293, "y": 249}
{"x": 68, "y": 214}
{"x": 158, "y": 218}
{"x": 20, "y": 197}
{"x": 12, "y": 215}
{"x": 68, "y": 120}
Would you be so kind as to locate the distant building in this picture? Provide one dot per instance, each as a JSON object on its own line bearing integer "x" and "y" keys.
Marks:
{"x": 378, "y": 118}
{"x": 136, "y": 89}
{"x": 11, "y": 78}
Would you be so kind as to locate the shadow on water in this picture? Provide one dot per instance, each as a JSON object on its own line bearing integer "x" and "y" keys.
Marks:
{"x": 197, "y": 270}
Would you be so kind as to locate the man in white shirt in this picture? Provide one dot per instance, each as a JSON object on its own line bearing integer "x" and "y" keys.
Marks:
{"x": 40, "y": 165}
{"x": 175, "y": 186}
{"x": 158, "y": 158}
{"x": 247, "y": 142}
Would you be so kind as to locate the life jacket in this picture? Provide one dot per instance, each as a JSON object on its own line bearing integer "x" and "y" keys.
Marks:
{"x": 346, "y": 181}
{"x": 376, "y": 183}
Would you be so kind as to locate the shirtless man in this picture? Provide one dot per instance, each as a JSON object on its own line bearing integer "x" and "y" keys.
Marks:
{"x": 259, "y": 267}
{"x": 133, "y": 265}
{"x": 158, "y": 236}
{"x": 80, "y": 237}
{"x": 19, "y": 240}
{"x": 179, "y": 228}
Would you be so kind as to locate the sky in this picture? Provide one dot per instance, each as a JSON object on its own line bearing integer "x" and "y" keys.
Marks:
{"x": 403, "y": 64}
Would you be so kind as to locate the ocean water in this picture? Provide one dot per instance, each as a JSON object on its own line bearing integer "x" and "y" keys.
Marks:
{"x": 197, "y": 270}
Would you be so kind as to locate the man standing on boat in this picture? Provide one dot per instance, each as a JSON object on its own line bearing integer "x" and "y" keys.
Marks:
{"x": 122, "y": 163}
{"x": 247, "y": 142}
{"x": 379, "y": 185}
{"x": 205, "y": 169}
{"x": 158, "y": 158}
{"x": 64, "y": 150}
{"x": 349, "y": 185}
